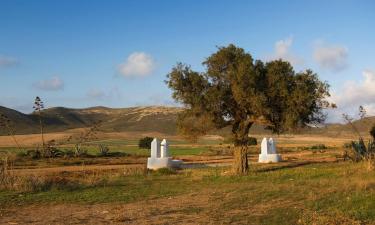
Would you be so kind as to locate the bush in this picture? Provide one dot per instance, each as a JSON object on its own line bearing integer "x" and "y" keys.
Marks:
{"x": 361, "y": 151}
{"x": 252, "y": 141}
{"x": 78, "y": 151}
{"x": 319, "y": 146}
{"x": 34, "y": 154}
{"x": 69, "y": 153}
{"x": 372, "y": 132}
{"x": 103, "y": 150}
{"x": 145, "y": 142}
{"x": 347, "y": 145}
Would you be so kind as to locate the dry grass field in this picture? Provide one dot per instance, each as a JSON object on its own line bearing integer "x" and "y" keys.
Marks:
{"x": 313, "y": 185}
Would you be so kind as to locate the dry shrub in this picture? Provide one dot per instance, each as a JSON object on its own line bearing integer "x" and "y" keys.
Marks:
{"x": 38, "y": 183}
{"x": 7, "y": 177}
{"x": 136, "y": 170}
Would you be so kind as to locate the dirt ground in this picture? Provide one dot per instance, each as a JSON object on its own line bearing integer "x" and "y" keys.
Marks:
{"x": 183, "y": 208}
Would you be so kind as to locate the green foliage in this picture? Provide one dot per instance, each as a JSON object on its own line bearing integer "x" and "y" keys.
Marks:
{"x": 145, "y": 142}
{"x": 69, "y": 153}
{"x": 192, "y": 125}
{"x": 252, "y": 141}
{"x": 361, "y": 151}
{"x": 347, "y": 145}
{"x": 318, "y": 147}
{"x": 372, "y": 132}
{"x": 34, "y": 154}
{"x": 234, "y": 90}
{"x": 78, "y": 151}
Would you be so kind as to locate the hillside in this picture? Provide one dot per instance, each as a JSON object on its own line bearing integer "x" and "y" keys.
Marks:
{"x": 151, "y": 119}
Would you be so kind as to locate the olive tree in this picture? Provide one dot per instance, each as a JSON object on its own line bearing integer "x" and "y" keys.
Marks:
{"x": 236, "y": 91}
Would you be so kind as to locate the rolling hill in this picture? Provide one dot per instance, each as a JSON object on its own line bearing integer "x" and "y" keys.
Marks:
{"x": 153, "y": 118}
{"x": 149, "y": 119}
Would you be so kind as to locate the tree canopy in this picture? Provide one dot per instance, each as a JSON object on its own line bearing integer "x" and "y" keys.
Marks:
{"x": 236, "y": 90}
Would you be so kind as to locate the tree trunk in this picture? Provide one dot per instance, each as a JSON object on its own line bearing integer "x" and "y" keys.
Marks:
{"x": 240, "y": 165}
{"x": 41, "y": 132}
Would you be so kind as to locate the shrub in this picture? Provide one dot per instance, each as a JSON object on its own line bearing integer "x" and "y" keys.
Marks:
{"x": 361, "y": 152}
{"x": 145, "y": 142}
{"x": 164, "y": 171}
{"x": 103, "y": 150}
{"x": 78, "y": 151}
{"x": 319, "y": 146}
{"x": 251, "y": 141}
{"x": 7, "y": 178}
{"x": 21, "y": 154}
{"x": 372, "y": 132}
{"x": 68, "y": 153}
{"x": 34, "y": 154}
{"x": 347, "y": 145}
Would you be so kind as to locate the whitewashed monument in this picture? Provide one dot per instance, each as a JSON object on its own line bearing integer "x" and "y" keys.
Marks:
{"x": 160, "y": 156}
{"x": 268, "y": 151}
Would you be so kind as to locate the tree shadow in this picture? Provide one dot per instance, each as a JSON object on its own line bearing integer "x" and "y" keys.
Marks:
{"x": 287, "y": 166}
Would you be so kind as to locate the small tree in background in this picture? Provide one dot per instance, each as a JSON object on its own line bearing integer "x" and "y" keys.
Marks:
{"x": 237, "y": 91}
{"x": 7, "y": 124}
{"x": 38, "y": 107}
{"x": 145, "y": 142}
{"x": 85, "y": 136}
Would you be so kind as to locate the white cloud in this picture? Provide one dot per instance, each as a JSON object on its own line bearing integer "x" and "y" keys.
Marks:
{"x": 282, "y": 51}
{"x": 96, "y": 94}
{"x": 99, "y": 94}
{"x": 353, "y": 94}
{"x": 6, "y": 61}
{"x": 331, "y": 57}
{"x": 52, "y": 84}
{"x": 138, "y": 64}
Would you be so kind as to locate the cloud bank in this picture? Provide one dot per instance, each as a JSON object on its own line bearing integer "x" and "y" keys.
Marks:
{"x": 138, "y": 64}
{"x": 107, "y": 94}
{"x": 52, "y": 84}
{"x": 353, "y": 94}
{"x": 331, "y": 57}
{"x": 283, "y": 51}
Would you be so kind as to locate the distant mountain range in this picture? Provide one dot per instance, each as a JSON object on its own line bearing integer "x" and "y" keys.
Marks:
{"x": 149, "y": 119}
{"x": 153, "y": 118}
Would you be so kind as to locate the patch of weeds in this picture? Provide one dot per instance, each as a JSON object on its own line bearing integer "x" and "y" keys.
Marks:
{"x": 164, "y": 171}
{"x": 282, "y": 215}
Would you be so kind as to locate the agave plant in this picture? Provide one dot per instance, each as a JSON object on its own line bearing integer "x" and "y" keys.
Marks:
{"x": 361, "y": 151}
{"x": 78, "y": 151}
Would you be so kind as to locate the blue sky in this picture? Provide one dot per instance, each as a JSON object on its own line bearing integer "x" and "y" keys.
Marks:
{"x": 117, "y": 53}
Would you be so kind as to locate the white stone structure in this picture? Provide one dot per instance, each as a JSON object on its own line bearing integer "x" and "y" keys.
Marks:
{"x": 268, "y": 151}
{"x": 160, "y": 156}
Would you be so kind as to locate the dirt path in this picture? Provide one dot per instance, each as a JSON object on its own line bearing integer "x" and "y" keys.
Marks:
{"x": 77, "y": 168}
{"x": 189, "y": 162}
